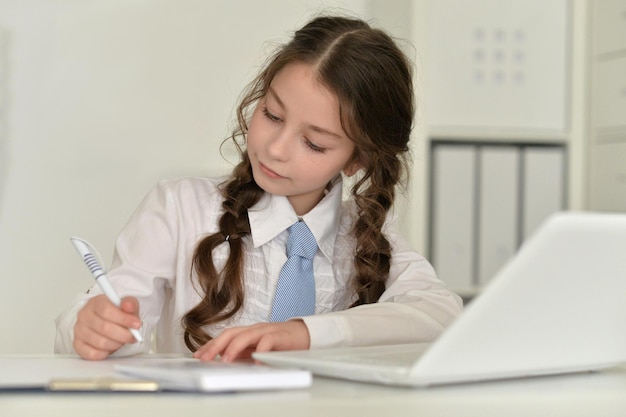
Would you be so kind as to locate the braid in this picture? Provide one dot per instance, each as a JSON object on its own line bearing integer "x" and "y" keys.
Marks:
{"x": 373, "y": 250}
{"x": 223, "y": 291}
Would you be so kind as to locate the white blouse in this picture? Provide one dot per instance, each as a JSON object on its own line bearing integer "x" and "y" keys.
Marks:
{"x": 152, "y": 262}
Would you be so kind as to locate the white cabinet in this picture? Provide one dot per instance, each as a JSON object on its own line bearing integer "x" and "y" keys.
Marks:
{"x": 497, "y": 77}
{"x": 496, "y": 105}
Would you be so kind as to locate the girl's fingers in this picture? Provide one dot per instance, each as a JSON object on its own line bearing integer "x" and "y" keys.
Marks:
{"x": 240, "y": 342}
{"x": 89, "y": 352}
{"x": 105, "y": 319}
{"x": 109, "y": 312}
{"x": 245, "y": 340}
{"x": 130, "y": 305}
{"x": 102, "y": 328}
{"x": 92, "y": 345}
{"x": 216, "y": 346}
{"x": 268, "y": 343}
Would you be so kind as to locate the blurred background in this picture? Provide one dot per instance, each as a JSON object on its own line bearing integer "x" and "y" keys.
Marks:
{"x": 521, "y": 112}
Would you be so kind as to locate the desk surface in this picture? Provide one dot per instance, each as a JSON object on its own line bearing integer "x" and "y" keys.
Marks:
{"x": 589, "y": 394}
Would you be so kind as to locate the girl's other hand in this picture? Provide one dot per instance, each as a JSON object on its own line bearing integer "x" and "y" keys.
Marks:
{"x": 240, "y": 342}
{"x": 102, "y": 328}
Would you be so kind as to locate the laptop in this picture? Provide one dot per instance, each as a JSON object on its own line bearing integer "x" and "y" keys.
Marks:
{"x": 558, "y": 306}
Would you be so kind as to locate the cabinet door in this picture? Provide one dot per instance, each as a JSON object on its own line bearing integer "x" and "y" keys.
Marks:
{"x": 608, "y": 176}
{"x": 544, "y": 185}
{"x": 453, "y": 214}
{"x": 498, "y": 64}
{"x": 609, "y": 25}
{"x": 499, "y": 207}
{"x": 610, "y": 93}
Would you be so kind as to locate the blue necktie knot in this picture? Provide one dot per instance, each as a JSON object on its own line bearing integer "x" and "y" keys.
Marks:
{"x": 301, "y": 241}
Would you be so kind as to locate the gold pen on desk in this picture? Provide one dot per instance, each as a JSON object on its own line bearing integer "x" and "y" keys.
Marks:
{"x": 102, "y": 384}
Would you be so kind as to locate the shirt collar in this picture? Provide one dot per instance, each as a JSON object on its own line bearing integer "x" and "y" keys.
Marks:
{"x": 273, "y": 214}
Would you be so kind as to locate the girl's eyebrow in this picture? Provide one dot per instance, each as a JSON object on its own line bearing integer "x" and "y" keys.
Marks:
{"x": 317, "y": 129}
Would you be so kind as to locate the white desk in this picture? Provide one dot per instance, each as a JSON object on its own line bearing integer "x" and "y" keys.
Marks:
{"x": 586, "y": 395}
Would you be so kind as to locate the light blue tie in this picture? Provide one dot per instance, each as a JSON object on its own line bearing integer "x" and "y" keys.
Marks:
{"x": 295, "y": 292}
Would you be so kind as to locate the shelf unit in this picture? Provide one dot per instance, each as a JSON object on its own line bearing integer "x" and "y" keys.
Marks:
{"x": 494, "y": 88}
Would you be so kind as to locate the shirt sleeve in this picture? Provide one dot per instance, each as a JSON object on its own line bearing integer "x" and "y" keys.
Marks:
{"x": 149, "y": 240}
{"x": 415, "y": 307}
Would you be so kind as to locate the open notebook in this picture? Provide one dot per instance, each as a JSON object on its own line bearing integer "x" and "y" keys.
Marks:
{"x": 558, "y": 306}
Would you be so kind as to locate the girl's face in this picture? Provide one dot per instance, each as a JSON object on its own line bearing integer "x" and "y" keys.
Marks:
{"x": 295, "y": 140}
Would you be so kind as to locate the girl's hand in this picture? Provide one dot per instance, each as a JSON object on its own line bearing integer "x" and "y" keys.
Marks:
{"x": 240, "y": 342}
{"x": 102, "y": 328}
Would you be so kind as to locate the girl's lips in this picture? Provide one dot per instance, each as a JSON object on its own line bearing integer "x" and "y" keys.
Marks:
{"x": 269, "y": 172}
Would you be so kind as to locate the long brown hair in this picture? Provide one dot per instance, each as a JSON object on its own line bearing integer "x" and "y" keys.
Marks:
{"x": 373, "y": 82}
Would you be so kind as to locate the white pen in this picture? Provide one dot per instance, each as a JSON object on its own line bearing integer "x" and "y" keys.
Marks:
{"x": 96, "y": 270}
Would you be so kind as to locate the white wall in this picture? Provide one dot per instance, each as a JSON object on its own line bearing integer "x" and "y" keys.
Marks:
{"x": 103, "y": 98}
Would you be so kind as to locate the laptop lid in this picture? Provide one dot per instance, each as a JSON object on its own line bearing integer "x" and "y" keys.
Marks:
{"x": 556, "y": 307}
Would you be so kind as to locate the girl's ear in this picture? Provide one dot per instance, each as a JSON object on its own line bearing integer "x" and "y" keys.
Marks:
{"x": 352, "y": 168}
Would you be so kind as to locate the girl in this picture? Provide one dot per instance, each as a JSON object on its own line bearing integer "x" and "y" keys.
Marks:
{"x": 200, "y": 260}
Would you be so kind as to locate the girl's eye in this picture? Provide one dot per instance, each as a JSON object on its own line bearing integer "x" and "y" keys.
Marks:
{"x": 270, "y": 116}
{"x": 314, "y": 147}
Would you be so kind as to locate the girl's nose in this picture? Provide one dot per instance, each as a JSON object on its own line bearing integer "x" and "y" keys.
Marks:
{"x": 279, "y": 145}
